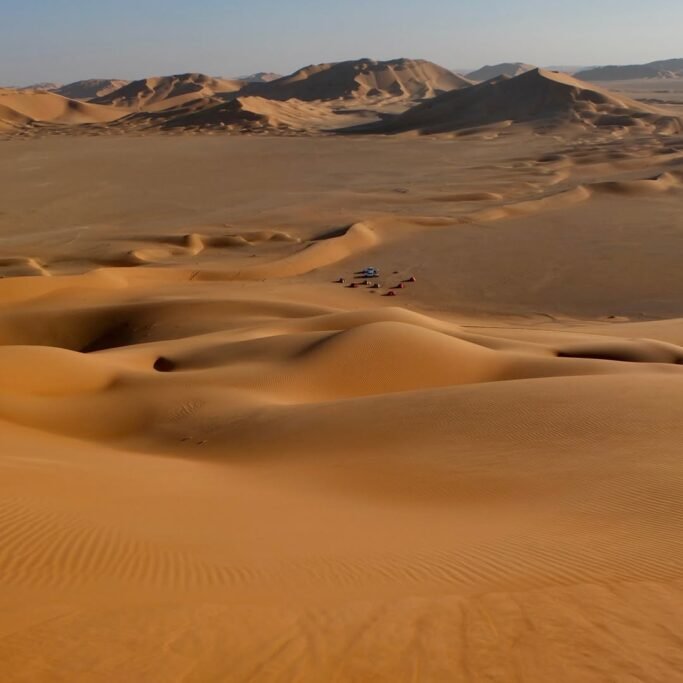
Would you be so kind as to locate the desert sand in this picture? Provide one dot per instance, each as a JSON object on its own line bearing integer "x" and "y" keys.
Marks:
{"x": 221, "y": 464}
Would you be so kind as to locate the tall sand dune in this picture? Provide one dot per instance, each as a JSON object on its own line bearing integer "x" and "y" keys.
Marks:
{"x": 537, "y": 97}
{"x": 90, "y": 88}
{"x": 509, "y": 69}
{"x": 362, "y": 78}
{"x": 260, "y": 77}
{"x": 155, "y": 94}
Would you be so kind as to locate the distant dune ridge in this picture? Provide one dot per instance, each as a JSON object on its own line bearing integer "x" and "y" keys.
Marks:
{"x": 665, "y": 68}
{"x": 304, "y": 101}
{"x": 19, "y": 108}
{"x": 167, "y": 91}
{"x": 48, "y": 85}
{"x": 400, "y": 78}
{"x": 510, "y": 69}
{"x": 354, "y": 96}
{"x": 539, "y": 97}
{"x": 260, "y": 77}
{"x": 90, "y": 88}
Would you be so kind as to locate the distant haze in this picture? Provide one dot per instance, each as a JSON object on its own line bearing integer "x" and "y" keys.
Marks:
{"x": 42, "y": 40}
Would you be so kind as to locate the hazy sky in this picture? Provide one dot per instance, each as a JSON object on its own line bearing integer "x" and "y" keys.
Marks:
{"x": 66, "y": 40}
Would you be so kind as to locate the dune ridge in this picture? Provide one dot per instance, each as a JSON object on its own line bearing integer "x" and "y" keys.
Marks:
{"x": 363, "y": 78}
{"x": 319, "y": 358}
{"x": 352, "y": 97}
{"x": 260, "y": 77}
{"x": 537, "y": 97}
{"x": 249, "y": 113}
{"x": 158, "y": 93}
{"x": 19, "y": 108}
{"x": 664, "y": 68}
{"x": 90, "y": 88}
{"x": 508, "y": 69}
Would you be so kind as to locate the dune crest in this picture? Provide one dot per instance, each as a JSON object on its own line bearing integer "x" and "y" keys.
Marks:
{"x": 156, "y": 94}
{"x": 90, "y": 88}
{"x": 363, "y": 78}
{"x": 508, "y": 69}
{"x": 260, "y": 77}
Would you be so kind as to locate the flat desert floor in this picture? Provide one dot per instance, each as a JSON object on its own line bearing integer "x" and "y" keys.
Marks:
{"x": 219, "y": 464}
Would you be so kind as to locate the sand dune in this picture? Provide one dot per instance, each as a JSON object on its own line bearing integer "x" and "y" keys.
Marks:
{"x": 308, "y": 359}
{"x": 12, "y": 267}
{"x": 45, "y": 85}
{"x": 156, "y": 94}
{"x": 260, "y": 77}
{"x": 360, "y": 95}
{"x": 90, "y": 88}
{"x": 509, "y": 69}
{"x": 344, "y": 93}
{"x": 250, "y": 114}
{"x": 10, "y": 119}
{"x": 23, "y": 107}
{"x": 541, "y": 98}
{"x": 363, "y": 78}
{"x": 666, "y": 68}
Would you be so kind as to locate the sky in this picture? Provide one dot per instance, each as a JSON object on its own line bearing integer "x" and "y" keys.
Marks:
{"x": 68, "y": 40}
